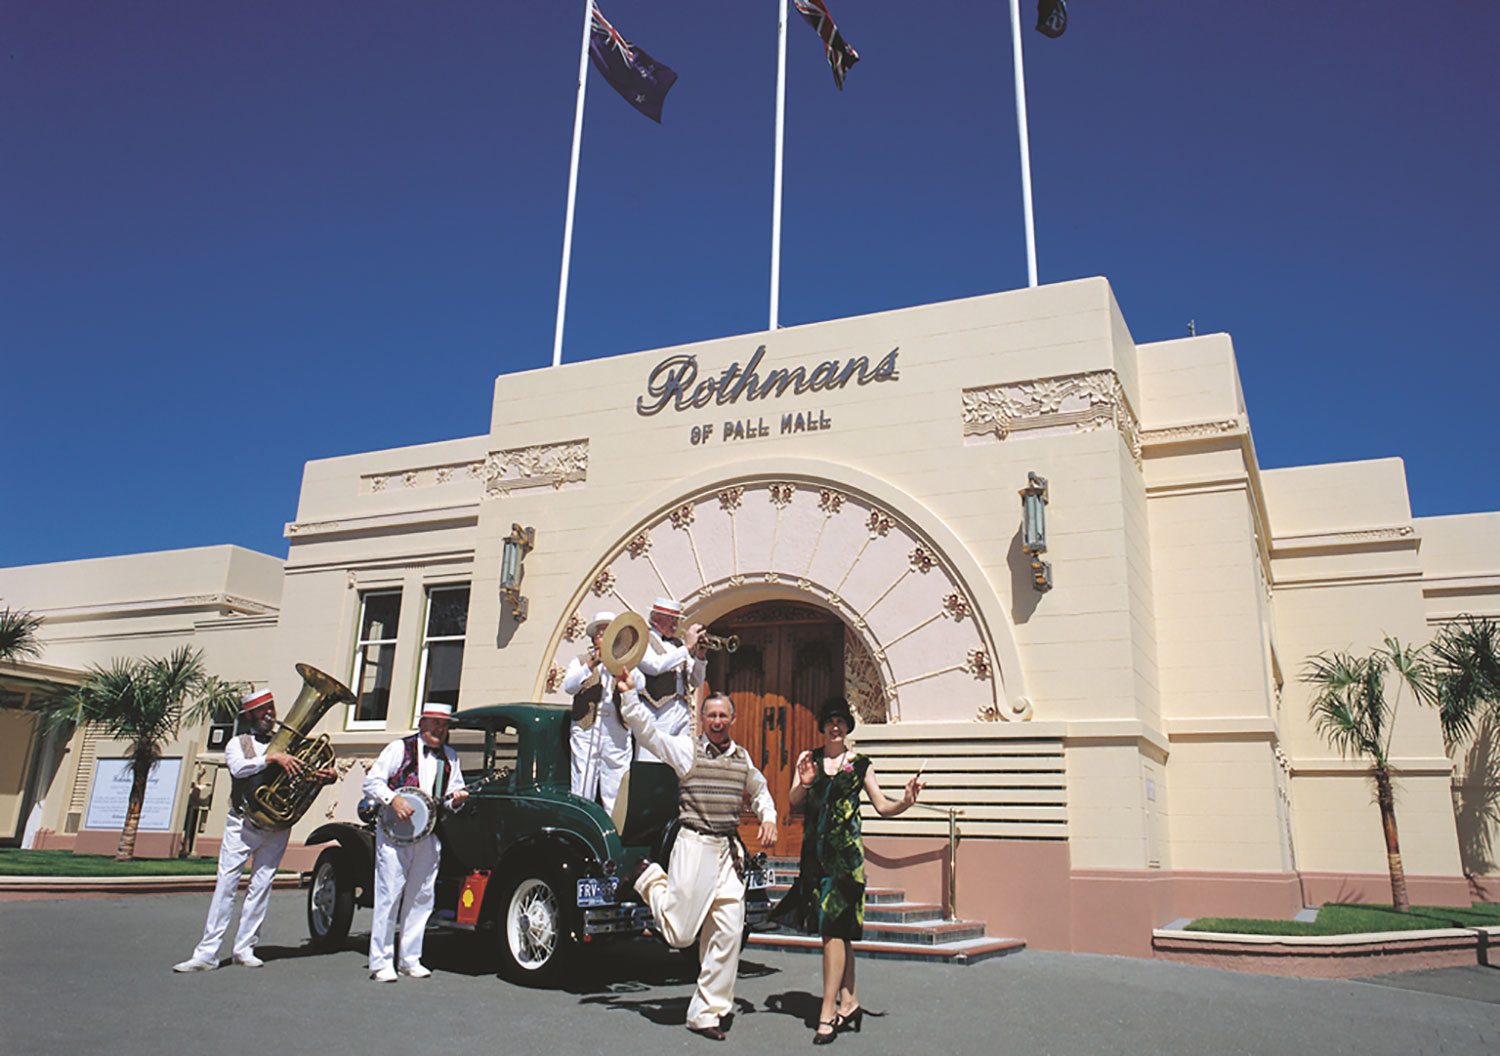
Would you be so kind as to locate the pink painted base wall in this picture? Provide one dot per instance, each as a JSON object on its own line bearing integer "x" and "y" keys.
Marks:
{"x": 1029, "y": 890}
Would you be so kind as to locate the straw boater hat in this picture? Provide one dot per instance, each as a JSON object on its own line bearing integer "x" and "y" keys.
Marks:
{"x": 255, "y": 698}
{"x": 600, "y": 621}
{"x": 666, "y": 607}
{"x": 433, "y": 710}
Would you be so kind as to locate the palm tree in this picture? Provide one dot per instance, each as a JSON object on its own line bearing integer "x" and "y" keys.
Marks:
{"x": 1467, "y": 659}
{"x": 18, "y": 636}
{"x": 1351, "y": 711}
{"x": 146, "y": 703}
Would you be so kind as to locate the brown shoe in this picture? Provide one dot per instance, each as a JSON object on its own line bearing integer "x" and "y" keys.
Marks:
{"x": 712, "y": 1033}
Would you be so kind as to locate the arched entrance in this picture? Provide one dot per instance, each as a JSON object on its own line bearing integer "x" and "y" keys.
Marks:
{"x": 790, "y": 659}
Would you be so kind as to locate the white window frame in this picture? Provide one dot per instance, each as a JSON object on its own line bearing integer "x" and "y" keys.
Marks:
{"x": 360, "y": 644}
{"x": 421, "y": 685}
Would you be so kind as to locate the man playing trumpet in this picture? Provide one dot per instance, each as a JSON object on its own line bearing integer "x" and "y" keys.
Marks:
{"x": 674, "y": 668}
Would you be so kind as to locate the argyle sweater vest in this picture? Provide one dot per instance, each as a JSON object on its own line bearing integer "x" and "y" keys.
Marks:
{"x": 710, "y": 797}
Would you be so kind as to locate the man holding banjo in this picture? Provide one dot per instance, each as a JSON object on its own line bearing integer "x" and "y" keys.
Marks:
{"x": 406, "y": 872}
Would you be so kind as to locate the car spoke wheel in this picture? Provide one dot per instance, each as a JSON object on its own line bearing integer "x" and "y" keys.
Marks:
{"x": 535, "y": 934}
{"x": 330, "y": 899}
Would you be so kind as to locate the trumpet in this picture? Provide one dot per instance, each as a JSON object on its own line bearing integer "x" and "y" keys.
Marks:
{"x": 728, "y": 643}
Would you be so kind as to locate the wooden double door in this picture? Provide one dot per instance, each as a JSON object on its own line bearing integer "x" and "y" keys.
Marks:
{"x": 790, "y": 659}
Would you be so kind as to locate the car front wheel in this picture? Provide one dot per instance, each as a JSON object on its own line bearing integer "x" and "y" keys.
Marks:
{"x": 536, "y": 939}
{"x": 330, "y": 899}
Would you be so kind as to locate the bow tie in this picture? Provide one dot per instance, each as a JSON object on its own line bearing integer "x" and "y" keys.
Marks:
{"x": 436, "y": 753}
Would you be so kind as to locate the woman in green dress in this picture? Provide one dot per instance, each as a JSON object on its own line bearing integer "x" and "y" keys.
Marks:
{"x": 828, "y": 897}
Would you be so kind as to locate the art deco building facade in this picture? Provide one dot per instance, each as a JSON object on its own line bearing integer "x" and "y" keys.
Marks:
{"x": 1127, "y": 747}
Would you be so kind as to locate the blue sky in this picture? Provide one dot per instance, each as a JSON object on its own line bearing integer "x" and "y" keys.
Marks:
{"x": 234, "y": 237}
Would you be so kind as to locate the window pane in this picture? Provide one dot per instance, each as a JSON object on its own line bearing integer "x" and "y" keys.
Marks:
{"x": 448, "y": 612}
{"x": 381, "y": 613}
{"x": 445, "y": 661}
{"x": 375, "y": 682}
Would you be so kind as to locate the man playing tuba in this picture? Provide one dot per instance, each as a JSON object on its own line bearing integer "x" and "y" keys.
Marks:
{"x": 249, "y": 768}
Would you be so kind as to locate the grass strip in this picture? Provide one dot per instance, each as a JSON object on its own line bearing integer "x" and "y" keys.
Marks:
{"x": 1355, "y": 919}
{"x": 66, "y": 863}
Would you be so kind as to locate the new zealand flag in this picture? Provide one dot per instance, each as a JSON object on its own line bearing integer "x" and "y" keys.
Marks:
{"x": 1052, "y": 17}
{"x": 840, "y": 55}
{"x": 641, "y": 80}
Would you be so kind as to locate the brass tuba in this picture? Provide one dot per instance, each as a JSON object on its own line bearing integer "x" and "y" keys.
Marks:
{"x": 279, "y": 802}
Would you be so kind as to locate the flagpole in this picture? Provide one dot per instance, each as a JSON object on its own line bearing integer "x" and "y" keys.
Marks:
{"x": 1015, "y": 35}
{"x": 567, "y": 254}
{"x": 776, "y": 184}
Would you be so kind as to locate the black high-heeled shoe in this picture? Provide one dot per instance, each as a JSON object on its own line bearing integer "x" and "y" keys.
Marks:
{"x": 831, "y": 1036}
{"x": 849, "y": 1022}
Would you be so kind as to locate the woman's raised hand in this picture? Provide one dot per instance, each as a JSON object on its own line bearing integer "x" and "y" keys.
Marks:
{"x": 914, "y": 788}
{"x": 807, "y": 770}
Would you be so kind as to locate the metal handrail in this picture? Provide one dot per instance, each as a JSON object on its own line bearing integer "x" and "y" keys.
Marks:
{"x": 950, "y": 901}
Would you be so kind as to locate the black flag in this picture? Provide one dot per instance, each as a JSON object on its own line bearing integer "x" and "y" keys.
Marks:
{"x": 1052, "y": 17}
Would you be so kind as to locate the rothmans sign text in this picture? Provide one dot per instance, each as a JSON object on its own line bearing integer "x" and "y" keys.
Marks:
{"x": 674, "y": 381}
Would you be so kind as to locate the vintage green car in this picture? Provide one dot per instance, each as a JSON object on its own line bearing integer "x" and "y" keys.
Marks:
{"x": 524, "y": 860}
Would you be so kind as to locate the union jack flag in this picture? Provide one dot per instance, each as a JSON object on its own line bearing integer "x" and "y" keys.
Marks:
{"x": 840, "y": 54}
{"x": 641, "y": 80}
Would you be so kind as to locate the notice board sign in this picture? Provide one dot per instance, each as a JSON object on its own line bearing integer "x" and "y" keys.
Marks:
{"x": 110, "y": 795}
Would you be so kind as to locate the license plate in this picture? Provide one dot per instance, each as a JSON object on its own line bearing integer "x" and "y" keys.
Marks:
{"x": 593, "y": 891}
{"x": 763, "y": 879}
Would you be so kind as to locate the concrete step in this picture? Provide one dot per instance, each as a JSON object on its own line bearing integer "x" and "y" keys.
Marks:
{"x": 927, "y": 932}
{"x": 903, "y": 913}
{"x": 873, "y": 895}
{"x": 963, "y": 951}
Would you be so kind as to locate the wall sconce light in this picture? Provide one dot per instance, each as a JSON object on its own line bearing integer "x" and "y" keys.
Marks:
{"x": 1034, "y": 530}
{"x": 512, "y": 567}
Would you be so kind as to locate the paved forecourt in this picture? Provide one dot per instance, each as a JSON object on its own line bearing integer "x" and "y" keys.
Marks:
{"x": 94, "y": 975}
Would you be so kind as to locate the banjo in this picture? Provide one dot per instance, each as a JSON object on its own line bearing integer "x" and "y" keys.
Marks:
{"x": 425, "y": 810}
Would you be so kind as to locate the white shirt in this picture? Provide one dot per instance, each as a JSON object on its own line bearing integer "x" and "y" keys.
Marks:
{"x": 378, "y": 779}
{"x": 680, "y": 752}
{"x": 654, "y": 663}
{"x": 242, "y": 765}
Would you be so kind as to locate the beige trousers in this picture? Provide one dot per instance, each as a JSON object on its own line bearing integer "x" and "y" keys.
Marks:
{"x": 700, "y": 896}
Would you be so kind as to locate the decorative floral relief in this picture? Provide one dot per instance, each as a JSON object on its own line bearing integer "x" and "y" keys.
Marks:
{"x": 978, "y": 664}
{"x": 781, "y": 494}
{"x": 863, "y": 686}
{"x": 603, "y": 583}
{"x": 377, "y": 483}
{"x": 736, "y": 580}
{"x": 640, "y": 546}
{"x": 537, "y": 466}
{"x": 409, "y": 478}
{"x": 830, "y": 501}
{"x": 879, "y": 524}
{"x": 682, "y": 517}
{"x": 444, "y": 474}
{"x": 956, "y": 606}
{"x": 1085, "y": 402}
{"x": 730, "y": 499}
{"x": 922, "y": 560}
{"x": 554, "y": 678}
{"x": 988, "y": 713}
{"x": 574, "y": 628}
{"x": 772, "y": 577}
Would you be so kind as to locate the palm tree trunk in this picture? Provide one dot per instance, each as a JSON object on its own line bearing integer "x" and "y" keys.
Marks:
{"x": 1387, "y": 800}
{"x": 142, "y": 772}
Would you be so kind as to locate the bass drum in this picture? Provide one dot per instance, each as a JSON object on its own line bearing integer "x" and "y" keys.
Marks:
{"x": 421, "y": 823}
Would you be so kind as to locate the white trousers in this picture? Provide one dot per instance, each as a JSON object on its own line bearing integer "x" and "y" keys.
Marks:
{"x": 242, "y": 842}
{"x": 601, "y": 757}
{"x": 701, "y": 896}
{"x": 404, "y": 880}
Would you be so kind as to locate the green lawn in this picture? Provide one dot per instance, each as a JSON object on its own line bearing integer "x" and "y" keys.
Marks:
{"x": 1353, "y": 919}
{"x": 66, "y": 863}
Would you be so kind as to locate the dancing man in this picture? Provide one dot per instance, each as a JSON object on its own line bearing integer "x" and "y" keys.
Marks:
{"x": 702, "y": 892}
